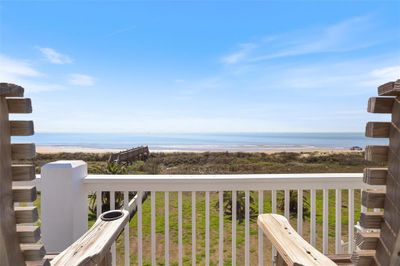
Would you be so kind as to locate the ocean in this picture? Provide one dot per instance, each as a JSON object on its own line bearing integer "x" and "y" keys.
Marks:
{"x": 204, "y": 141}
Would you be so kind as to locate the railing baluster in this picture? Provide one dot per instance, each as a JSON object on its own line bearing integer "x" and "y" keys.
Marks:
{"x": 234, "y": 202}
{"x": 300, "y": 212}
{"x": 180, "y": 245}
{"x": 207, "y": 203}
{"x": 166, "y": 228}
{"x": 98, "y": 203}
{"x": 194, "y": 225}
{"x": 221, "y": 228}
{"x": 338, "y": 221}
{"x": 246, "y": 228}
{"x": 287, "y": 203}
{"x": 312, "y": 217}
{"x": 153, "y": 228}
{"x": 113, "y": 248}
{"x": 260, "y": 232}
{"x": 325, "y": 224}
{"x": 273, "y": 203}
{"x": 126, "y": 231}
{"x": 139, "y": 228}
{"x": 351, "y": 221}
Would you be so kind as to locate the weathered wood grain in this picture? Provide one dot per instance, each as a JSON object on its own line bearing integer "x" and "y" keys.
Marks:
{"x": 380, "y": 105}
{"x": 375, "y": 176}
{"x": 23, "y": 151}
{"x": 26, "y": 214}
{"x": 373, "y": 198}
{"x": 21, "y": 128}
{"x": 371, "y": 220}
{"x": 28, "y": 234}
{"x": 10, "y": 253}
{"x": 23, "y": 172}
{"x": 11, "y": 90}
{"x": 33, "y": 252}
{"x": 363, "y": 258}
{"x": 367, "y": 240}
{"x": 377, "y": 153}
{"x": 396, "y": 113}
{"x": 19, "y": 105}
{"x": 390, "y": 89}
{"x": 290, "y": 245}
{"x": 94, "y": 245}
{"x": 24, "y": 193}
{"x": 378, "y": 129}
{"x": 382, "y": 255}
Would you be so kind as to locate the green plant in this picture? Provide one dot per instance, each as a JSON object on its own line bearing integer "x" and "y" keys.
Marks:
{"x": 240, "y": 206}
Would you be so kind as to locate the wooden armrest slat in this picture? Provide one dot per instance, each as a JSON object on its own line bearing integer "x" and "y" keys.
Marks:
{"x": 291, "y": 246}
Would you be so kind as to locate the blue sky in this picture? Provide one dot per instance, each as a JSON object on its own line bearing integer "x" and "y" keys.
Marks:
{"x": 200, "y": 66}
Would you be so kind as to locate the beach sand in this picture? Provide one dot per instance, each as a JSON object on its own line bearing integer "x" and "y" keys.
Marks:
{"x": 72, "y": 149}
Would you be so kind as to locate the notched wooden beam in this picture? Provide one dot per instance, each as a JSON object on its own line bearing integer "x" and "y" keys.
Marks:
{"x": 19, "y": 105}
{"x": 390, "y": 89}
{"x": 363, "y": 257}
{"x": 21, "y": 128}
{"x": 33, "y": 252}
{"x": 371, "y": 220}
{"x": 373, "y": 198}
{"x": 378, "y": 129}
{"x": 367, "y": 240}
{"x": 23, "y": 151}
{"x": 377, "y": 153}
{"x": 375, "y": 176}
{"x": 23, "y": 172}
{"x": 24, "y": 193}
{"x": 11, "y": 90}
{"x": 381, "y": 105}
{"x": 28, "y": 234}
{"x": 26, "y": 214}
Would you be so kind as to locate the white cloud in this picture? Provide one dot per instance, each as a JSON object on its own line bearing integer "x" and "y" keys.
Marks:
{"x": 240, "y": 55}
{"x": 81, "y": 80}
{"x": 11, "y": 68}
{"x": 55, "y": 57}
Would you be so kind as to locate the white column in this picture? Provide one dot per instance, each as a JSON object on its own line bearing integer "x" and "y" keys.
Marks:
{"x": 64, "y": 203}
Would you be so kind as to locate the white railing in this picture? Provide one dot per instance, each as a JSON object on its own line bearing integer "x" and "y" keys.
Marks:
{"x": 219, "y": 238}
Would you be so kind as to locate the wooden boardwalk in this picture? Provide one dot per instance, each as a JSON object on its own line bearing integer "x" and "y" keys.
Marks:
{"x": 131, "y": 155}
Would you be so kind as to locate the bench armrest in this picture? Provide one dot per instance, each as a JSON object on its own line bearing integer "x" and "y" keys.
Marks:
{"x": 94, "y": 246}
{"x": 292, "y": 248}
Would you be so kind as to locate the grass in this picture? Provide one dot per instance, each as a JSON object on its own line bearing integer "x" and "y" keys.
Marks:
{"x": 222, "y": 163}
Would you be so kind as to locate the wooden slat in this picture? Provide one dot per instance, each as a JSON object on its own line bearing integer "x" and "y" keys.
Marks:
{"x": 392, "y": 215}
{"x": 19, "y": 105}
{"x": 290, "y": 245}
{"x": 26, "y": 214}
{"x": 28, "y": 234}
{"x": 375, "y": 176}
{"x": 382, "y": 255}
{"x": 396, "y": 113}
{"x": 23, "y": 151}
{"x": 376, "y": 153}
{"x": 11, "y": 90}
{"x": 363, "y": 258}
{"x": 389, "y": 89}
{"x": 378, "y": 129}
{"x": 367, "y": 240}
{"x": 387, "y": 236}
{"x": 371, "y": 220}
{"x": 24, "y": 193}
{"x": 381, "y": 105}
{"x": 23, "y": 172}
{"x": 373, "y": 198}
{"x": 21, "y": 128}
{"x": 33, "y": 252}
{"x": 392, "y": 189}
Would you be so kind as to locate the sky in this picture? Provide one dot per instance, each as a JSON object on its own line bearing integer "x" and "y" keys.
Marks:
{"x": 200, "y": 66}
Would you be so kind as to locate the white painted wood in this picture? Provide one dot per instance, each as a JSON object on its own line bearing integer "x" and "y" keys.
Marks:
{"x": 153, "y": 228}
{"x": 273, "y": 203}
{"x": 207, "y": 240}
{"x": 338, "y": 221}
{"x": 286, "y": 204}
{"x": 300, "y": 212}
{"x": 234, "y": 201}
{"x": 180, "y": 245}
{"x": 166, "y": 228}
{"x": 247, "y": 228}
{"x": 126, "y": 232}
{"x": 260, "y": 232}
{"x": 140, "y": 229}
{"x": 351, "y": 221}
{"x": 194, "y": 225}
{"x": 62, "y": 187}
{"x": 98, "y": 203}
{"x": 113, "y": 247}
{"x": 313, "y": 213}
{"x": 221, "y": 228}
{"x": 325, "y": 235}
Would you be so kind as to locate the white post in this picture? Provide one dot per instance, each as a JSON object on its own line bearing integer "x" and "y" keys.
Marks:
{"x": 64, "y": 203}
